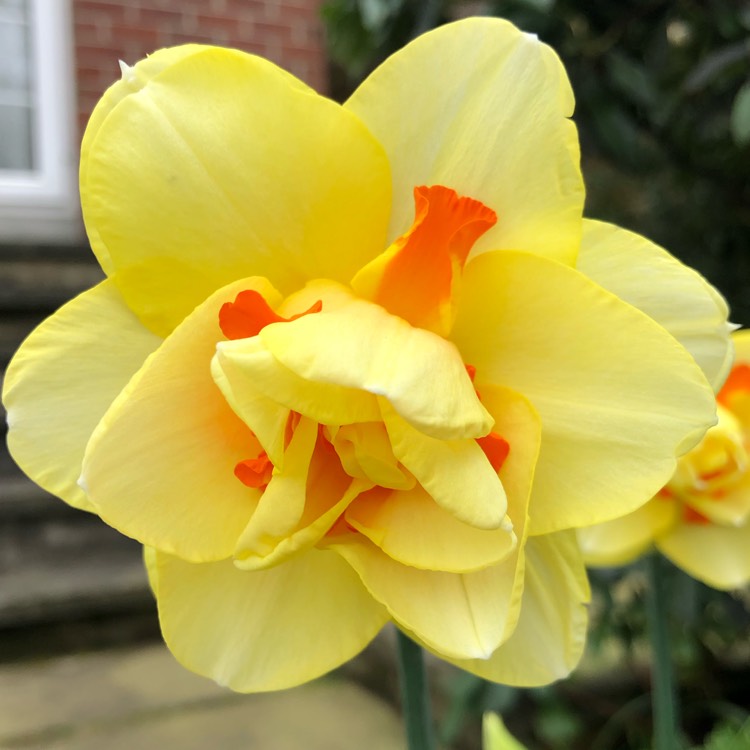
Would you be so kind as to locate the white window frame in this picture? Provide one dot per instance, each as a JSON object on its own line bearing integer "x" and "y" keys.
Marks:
{"x": 41, "y": 205}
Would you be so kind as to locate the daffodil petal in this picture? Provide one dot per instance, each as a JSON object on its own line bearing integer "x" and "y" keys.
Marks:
{"x": 365, "y": 452}
{"x": 267, "y": 629}
{"x": 716, "y": 555}
{"x": 219, "y": 167}
{"x": 301, "y": 503}
{"x": 61, "y": 381}
{"x": 283, "y": 501}
{"x": 495, "y": 129}
{"x": 245, "y": 367}
{"x": 675, "y": 296}
{"x": 618, "y": 397}
{"x": 458, "y": 615}
{"x": 413, "y": 529}
{"x": 160, "y": 465}
{"x": 361, "y": 346}
{"x": 622, "y": 540}
{"x": 265, "y": 417}
{"x": 739, "y": 401}
{"x": 551, "y": 632}
{"x": 731, "y": 508}
{"x": 133, "y": 79}
{"x": 456, "y": 473}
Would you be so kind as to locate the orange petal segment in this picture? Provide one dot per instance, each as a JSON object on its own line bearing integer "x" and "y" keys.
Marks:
{"x": 249, "y": 314}
{"x": 738, "y": 382}
{"x": 417, "y": 276}
{"x": 496, "y": 449}
{"x": 255, "y": 472}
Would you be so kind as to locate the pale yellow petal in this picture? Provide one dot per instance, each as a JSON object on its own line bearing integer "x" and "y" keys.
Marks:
{"x": 455, "y": 473}
{"x": 551, "y": 632}
{"x": 219, "y": 167}
{"x": 268, "y": 629}
{"x": 618, "y": 397}
{"x": 495, "y": 735}
{"x": 492, "y": 125}
{"x": 622, "y": 540}
{"x": 719, "y": 556}
{"x": 160, "y": 465}
{"x": 675, "y": 296}
{"x": 458, "y": 615}
{"x": 361, "y": 346}
{"x": 61, "y": 381}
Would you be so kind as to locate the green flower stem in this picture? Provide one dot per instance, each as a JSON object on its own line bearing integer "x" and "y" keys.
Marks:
{"x": 415, "y": 699}
{"x": 664, "y": 699}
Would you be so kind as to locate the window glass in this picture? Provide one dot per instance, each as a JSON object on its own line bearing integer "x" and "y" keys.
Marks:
{"x": 16, "y": 113}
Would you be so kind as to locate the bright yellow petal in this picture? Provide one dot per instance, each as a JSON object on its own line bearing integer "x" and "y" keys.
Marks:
{"x": 731, "y": 508}
{"x": 268, "y": 629}
{"x": 361, "y": 346}
{"x": 62, "y": 380}
{"x": 675, "y": 296}
{"x": 622, "y": 540}
{"x": 283, "y": 501}
{"x": 413, "y": 529}
{"x": 494, "y": 128}
{"x": 551, "y": 632}
{"x": 739, "y": 400}
{"x": 742, "y": 345}
{"x": 365, "y": 452}
{"x": 245, "y": 368}
{"x": 457, "y": 614}
{"x": 719, "y": 556}
{"x": 617, "y": 395}
{"x": 160, "y": 466}
{"x": 455, "y": 473}
{"x": 133, "y": 80}
{"x": 219, "y": 167}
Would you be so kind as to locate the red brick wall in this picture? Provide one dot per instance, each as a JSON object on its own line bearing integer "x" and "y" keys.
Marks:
{"x": 288, "y": 32}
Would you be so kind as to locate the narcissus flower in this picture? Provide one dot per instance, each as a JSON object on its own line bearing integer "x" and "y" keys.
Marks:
{"x": 335, "y": 346}
{"x": 700, "y": 519}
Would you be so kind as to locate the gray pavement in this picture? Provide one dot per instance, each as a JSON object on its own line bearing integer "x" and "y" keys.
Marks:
{"x": 139, "y": 698}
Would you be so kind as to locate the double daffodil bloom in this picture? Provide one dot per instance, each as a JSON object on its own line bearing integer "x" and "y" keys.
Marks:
{"x": 700, "y": 519}
{"x": 335, "y": 346}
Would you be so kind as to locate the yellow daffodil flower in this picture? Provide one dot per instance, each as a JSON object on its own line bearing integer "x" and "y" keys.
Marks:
{"x": 700, "y": 519}
{"x": 335, "y": 346}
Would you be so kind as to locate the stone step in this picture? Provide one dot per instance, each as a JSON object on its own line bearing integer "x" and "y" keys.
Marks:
{"x": 58, "y": 563}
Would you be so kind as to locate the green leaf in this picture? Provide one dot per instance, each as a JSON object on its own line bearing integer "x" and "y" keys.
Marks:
{"x": 632, "y": 79}
{"x": 726, "y": 737}
{"x": 739, "y": 120}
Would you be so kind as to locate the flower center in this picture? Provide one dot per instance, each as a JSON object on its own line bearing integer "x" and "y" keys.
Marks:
{"x": 709, "y": 471}
{"x": 417, "y": 277}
